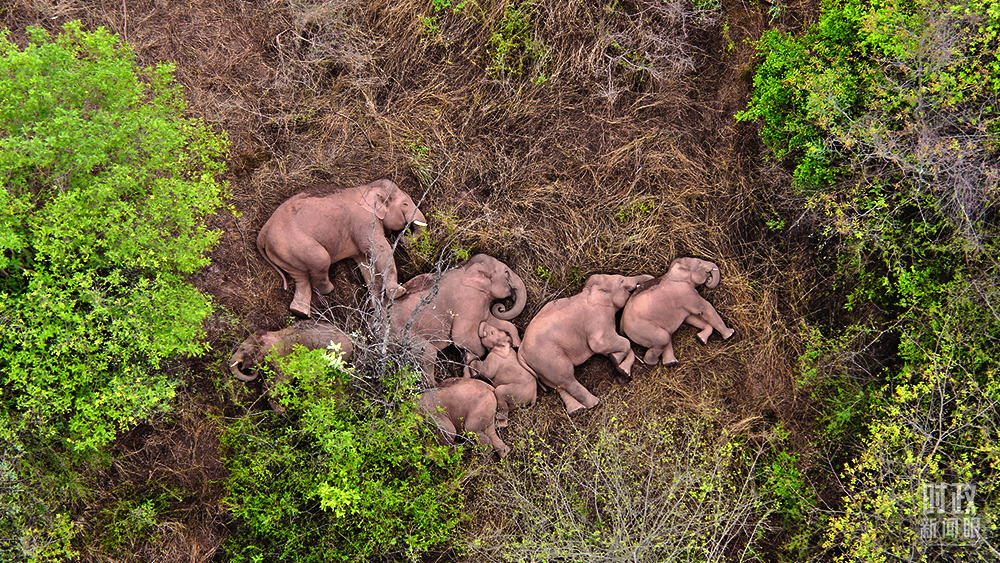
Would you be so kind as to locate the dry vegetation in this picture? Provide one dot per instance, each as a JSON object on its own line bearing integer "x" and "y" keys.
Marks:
{"x": 602, "y": 141}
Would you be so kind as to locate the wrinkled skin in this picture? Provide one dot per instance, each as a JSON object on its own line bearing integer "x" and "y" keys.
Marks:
{"x": 316, "y": 228}
{"x": 309, "y": 334}
{"x": 456, "y": 304}
{"x": 658, "y": 308}
{"x": 513, "y": 385}
{"x": 464, "y": 405}
{"x": 568, "y": 331}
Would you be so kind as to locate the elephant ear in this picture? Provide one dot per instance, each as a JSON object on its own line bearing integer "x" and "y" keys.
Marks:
{"x": 599, "y": 293}
{"x": 477, "y": 276}
{"x": 376, "y": 199}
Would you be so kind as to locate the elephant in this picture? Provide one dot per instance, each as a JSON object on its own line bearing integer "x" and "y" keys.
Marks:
{"x": 447, "y": 308}
{"x": 658, "y": 308}
{"x": 513, "y": 385}
{"x": 464, "y": 405}
{"x": 309, "y": 334}
{"x": 568, "y": 331}
{"x": 323, "y": 225}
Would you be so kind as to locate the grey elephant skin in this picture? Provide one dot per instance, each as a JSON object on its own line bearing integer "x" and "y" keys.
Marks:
{"x": 316, "y": 228}
{"x": 309, "y": 334}
{"x": 447, "y": 308}
{"x": 513, "y": 385}
{"x": 568, "y": 331}
{"x": 464, "y": 405}
{"x": 659, "y": 307}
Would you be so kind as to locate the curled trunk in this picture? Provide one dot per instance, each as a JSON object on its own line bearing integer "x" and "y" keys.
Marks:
{"x": 714, "y": 276}
{"x": 520, "y": 295}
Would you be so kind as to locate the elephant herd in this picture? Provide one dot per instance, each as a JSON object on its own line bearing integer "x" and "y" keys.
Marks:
{"x": 462, "y": 307}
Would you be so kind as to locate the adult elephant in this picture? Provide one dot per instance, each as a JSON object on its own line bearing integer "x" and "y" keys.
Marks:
{"x": 568, "y": 331}
{"x": 447, "y": 308}
{"x": 323, "y": 225}
{"x": 659, "y": 307}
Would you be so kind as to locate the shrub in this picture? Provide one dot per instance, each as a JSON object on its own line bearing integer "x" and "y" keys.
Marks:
{"x": 342, "y": 477}
{"x": 656, "y": 491}
{"x": 105, "y": 189}
{"x": 888, "y": 112}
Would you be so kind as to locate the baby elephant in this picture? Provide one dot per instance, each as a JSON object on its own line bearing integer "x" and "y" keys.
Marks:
{"x": 464, "y": 405}
{"x": 309, "y": 334}
{"x": 659, "y": 307}
{"x": 513, "y": 385}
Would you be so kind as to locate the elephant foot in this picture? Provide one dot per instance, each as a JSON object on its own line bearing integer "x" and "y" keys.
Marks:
{"x": 729, "y": 335}
{"x": 300, "y": 308}
{"x": 652, "y": 357}
{"x": 670, "y": 364}
{"x": 576, "y": 410}
{"x": 703, "y": 338}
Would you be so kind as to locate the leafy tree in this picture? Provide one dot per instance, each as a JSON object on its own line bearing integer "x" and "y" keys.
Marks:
{"x": 343, "y": 476}
{"x": 105, "y": 188}
{"x": 889, "y": 114}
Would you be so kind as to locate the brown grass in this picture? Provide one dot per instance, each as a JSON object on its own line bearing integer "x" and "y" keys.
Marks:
{"x": 625, "y": 157}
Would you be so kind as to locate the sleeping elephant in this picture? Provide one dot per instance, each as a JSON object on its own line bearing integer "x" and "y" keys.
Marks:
{"x": 658, "y": 308}
{"x": 464, "y": 405}
{"x": 568, "y": 331}
{"x": 309, "y": 334}
{"x": 512, "y": 383}
{"x": 447, "y": 308}
{"x": 323, "y": 225}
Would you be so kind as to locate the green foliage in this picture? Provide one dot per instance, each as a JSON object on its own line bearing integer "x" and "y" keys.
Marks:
{"x": 513, "y": 49}
{"x": 654, "y": 491}
{"x": 887, "y": 112}
{"x": 105, "y": 189}
{"x": 340, "y": 477}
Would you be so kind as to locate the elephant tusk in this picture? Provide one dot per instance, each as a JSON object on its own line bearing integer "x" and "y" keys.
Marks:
{"x": 234, "y": 364}
{"x": 420, "y": 223}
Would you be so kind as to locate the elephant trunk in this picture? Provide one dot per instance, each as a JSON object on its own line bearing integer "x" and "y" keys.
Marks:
{"x": 236, "y": 362}
{"x": 714, "y": 276}
{"x": 520, "y": 295}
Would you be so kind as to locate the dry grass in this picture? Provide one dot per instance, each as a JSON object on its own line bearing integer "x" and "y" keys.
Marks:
{"x": 624, "y": 157}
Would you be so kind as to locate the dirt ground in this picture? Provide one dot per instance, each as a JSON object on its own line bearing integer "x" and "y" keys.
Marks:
{"x": 613, "y": 150}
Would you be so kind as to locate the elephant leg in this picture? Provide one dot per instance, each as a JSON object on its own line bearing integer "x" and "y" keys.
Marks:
{"x": 705, "y": 329}
{"x": 489, "y": 436}
{"x": 302, "y": 301}
{"x": 652, "y": 356}
{"x": 447, "y": 429}
{"x": 667, "y": 357}
{"x": 579, "y": 395}
{"x": 503, "y": 407}
{"x": 616, "y": 347}
{"x": 572, "y": 405}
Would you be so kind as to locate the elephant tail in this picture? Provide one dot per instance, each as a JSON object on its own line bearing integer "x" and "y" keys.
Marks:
{"x": 263, "y": 252}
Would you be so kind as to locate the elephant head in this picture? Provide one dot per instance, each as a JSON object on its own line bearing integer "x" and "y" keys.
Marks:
{"x": 494, "y": 278}
{"x": 249, "y": 354}
{"x": 612, "y": 290}
{"x": 393, "y": 207}
{"x": 695, "y": 271}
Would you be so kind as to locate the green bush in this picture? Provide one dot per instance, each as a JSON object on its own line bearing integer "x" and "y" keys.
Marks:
{"x": 340, "y": 477}
{"x": 106, "y": 185}
{"x": 105, "y": 189}
{"x": 889, "y": 114}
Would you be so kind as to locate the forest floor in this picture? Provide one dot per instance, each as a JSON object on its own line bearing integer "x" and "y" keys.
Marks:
{"x": 601, "y": 139}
